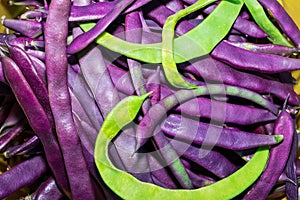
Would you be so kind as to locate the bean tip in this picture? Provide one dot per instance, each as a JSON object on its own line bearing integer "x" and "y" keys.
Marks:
{"x": 278, "y": 138}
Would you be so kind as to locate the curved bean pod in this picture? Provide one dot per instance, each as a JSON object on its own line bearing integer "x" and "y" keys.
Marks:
{"x": 36, "y": 83}
{"x": 145, "y": 129}
{"x": 25, "y": 27}
{"x": 37, "y": 119}
{"x": 278, "y": 156}
{"x": 168, "y": 62}
{"x": 83, "y": 40}
{"x": 56, "y": 32}
{"x": 264, "y": 22}
{"x": 232, "y": 139}
{"x": 151, "y": 53}
{"x": 202, "y": 107}
{"x": 285, "y": 21}
{"x": 29, "y": 144}
{"x": 249, "y": 60}
{"x": 212, "y": 69}
{"x": 30, "y": 171}
{"x": 47, "y": 190}
{"x": 266, "y": 48}
{"x": 115, "y": 178}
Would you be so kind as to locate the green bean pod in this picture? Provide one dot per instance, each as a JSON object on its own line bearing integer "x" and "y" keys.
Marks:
{"x": 187, "y": 46}
{"x": 115, "y": 178}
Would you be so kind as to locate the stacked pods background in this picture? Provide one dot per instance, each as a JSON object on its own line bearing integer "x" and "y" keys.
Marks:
{"x": 142, "y": 99}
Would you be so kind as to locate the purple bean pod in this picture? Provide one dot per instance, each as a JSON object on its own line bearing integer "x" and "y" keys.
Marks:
{"x": 291, "y": 187}
{"x": 26, "y": 42}
{"x": 28, "y": 70}
{"x": 15, "y": 115}
{"x": 25, "y": 27}
{"x": 192, "y": 131}
{"x": 9, "y": 134}
{"x": 40, "y": 68}
{"x": 34, "y": 3}
{"x": 266, "y": 48}
{"x": 284, "y": 20}
{"x": 253, "y": 61}
{"x": 83, "y": 40}
{"x": 284, "y": 125}
{"x": 212, "y": 160}
{"x": 28, "y": 145}
{"x": 210, "y": 69}
{"x": 30, "y": 170}
{"x": 94, "y": 11}
{"x": 37, "y": 119}
{"x": 234, "y": 113}
{"x": 47, "y": 190}
{"x": 249, "y": 28}
{"x": 56, "y": 32}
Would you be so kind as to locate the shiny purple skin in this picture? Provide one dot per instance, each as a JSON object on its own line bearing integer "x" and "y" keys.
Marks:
{"x": 285, "y": 22}
{"x": 98, "y": 10}
{"x": 47, "y": 190}
{"x": 40, "y": 68}
{"x": 249, "y": 28}
{"x": 253, "y": 61}
{"x": 133, "y": 33}
{"x": 279, "y": 155}
{"x": 266, "y": 48}
{"x": 30, "y": 170}
{"x": 23, "y": 42}
{"x": 291, "y": 171}
{"x": 94, "y": 11}
{"x": 28, "y": 145}
{"x": 9, "y": 134}
{"x": 192, "y": 131}
{"x": 235, "y": 114}
{"x": 37, "y": 119}
{"x": 56, "y": 33}
{"x": 170, "y": 157}
{"x": 15, "y": 116}
{"x": 212, "y": 160}
{"x": 83, "y": 40}
{"x": 36, "y": 83}
{"x": 25, "y": 27}
{"x": 211, "y": 69}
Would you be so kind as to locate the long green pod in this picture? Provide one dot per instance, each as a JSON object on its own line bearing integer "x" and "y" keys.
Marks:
{"x": 168, "y": 32}
{"x": 260, "y": 17}
{"x": 194, "y": 43}
{"x": 119, "y": 181}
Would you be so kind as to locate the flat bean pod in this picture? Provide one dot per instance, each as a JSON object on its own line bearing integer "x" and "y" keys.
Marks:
{"x": 264, "y": 22}
{"x": 151, "y": 53}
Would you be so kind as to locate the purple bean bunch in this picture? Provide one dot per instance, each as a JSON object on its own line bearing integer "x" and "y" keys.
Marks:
{"x": 59, "y": 82}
